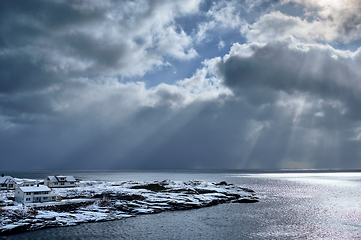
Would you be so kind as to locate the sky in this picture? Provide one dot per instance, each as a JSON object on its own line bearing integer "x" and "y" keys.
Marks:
{"x": 182, "y": 84}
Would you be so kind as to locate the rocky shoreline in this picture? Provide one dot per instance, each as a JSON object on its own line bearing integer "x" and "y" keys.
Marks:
{"x": 103, "y": 201}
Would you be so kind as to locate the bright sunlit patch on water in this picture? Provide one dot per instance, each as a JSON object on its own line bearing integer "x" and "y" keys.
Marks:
{"x": 331, "y": 199}
{"x": 339, "y": 179}
{"x": 300, "y": 175}
{"x": 289, "y": 175}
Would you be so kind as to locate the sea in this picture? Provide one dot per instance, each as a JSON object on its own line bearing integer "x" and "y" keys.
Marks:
{"x": 302, "y": 204}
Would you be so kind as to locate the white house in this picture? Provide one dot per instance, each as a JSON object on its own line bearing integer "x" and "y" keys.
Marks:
{"x": 7, "y": 182}
{"x": 60, "y": 181}
{"x": 34, "y": 194}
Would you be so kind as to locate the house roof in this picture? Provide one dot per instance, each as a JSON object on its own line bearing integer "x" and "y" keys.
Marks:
{"x": 6, "y": 179}
{"x": 35, "y": 189}
{"x": 57, "y": 178}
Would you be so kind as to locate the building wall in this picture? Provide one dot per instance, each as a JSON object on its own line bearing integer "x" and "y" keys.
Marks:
{"x": 19, "y": 195}
{"x": 30, "y": 197}
{"x": 60, "y": 184}
{"x": 9, "y": 185}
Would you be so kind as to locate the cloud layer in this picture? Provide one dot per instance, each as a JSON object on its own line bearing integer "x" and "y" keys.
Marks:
{"x": 277, "y": 84}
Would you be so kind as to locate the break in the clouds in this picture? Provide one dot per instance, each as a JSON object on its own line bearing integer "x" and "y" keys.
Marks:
{"x": 180, "y": 84}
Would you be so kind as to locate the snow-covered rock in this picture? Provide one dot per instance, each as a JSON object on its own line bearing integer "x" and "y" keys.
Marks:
{"x": 104, "y": 201}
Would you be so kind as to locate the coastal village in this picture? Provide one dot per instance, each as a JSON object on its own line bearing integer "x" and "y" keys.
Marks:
{"x": 35, "y": 191}
{"x": 58, "y": 200}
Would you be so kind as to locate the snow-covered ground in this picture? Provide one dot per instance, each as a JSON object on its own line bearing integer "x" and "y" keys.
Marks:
{"x": 102, "y": 201}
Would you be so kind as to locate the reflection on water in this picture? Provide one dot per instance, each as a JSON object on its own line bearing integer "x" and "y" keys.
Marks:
{"x": 292, "y": 206}
{"x": 328, "y": 203}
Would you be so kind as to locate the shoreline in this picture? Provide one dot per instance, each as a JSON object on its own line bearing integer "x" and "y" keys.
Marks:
{"x": 95, "y": 201}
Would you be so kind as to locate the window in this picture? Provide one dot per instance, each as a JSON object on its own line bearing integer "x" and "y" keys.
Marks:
{"x": 45, "y": 198}
{"x": 27, "y": 199}
{"x": 28, "y": 193}
{"x": 55, "y": 183}
{"x": 62, "y": 183}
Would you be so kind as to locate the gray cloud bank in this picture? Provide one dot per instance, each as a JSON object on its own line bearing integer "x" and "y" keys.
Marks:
{"x": 283, "y": 98}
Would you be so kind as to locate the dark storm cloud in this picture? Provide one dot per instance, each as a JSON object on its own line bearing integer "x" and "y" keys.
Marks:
{"x": 18, "y": 72}
{"x": 305, "y": 97}
{"x": 28, "y": 32}
{"x": 280, "y": 66}
{"x": 25, "y": 104}
{"x": 25, "y": 22}
{"x": 85, "y": 46}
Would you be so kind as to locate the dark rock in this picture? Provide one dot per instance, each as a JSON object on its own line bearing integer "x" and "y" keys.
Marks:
{"x": 67, "y": 207}
{"x": 184, "y": 191}
{"x": 155, "y": 187}
{"x": 97, "y": 196}
{"x": 203, "y": 191}
{"x": 183, "y": 206}
{"x": 212, "y": 203}
{"x": 246, "y": 200}
{"x": 223, "y": 183}
{"x": 234, "y": 195}
{"x": 130, "y": 197}
{"x": 248, "y": 190}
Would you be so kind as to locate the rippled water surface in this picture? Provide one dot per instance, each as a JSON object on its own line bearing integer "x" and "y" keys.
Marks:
{"x": 306, "y": 205}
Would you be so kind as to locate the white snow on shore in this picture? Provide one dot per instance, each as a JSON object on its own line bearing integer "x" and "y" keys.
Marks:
{"x": 102, "y": 201}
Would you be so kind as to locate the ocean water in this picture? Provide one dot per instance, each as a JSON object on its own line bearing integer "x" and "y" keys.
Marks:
{"x": 293, "y": 205}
